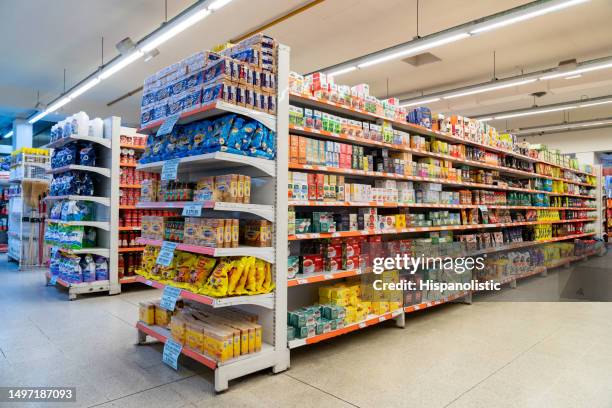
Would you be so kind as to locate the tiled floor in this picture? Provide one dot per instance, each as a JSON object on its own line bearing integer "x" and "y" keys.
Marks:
{"x": 489, "y": 354}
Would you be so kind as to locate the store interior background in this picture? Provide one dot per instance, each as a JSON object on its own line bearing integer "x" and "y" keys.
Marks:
{"x": 327, "y": 33}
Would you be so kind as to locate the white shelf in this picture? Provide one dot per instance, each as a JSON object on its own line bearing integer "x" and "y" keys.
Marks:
{"x": 105, "y": 225}
{"x": 77, "y": 167}
{"x": 261, "y": 210}
{"x": 105, "y": 252}
{"x": 65, "y": 140}
{"x": 215, "y": 109}
{"x": 100, "y": 200}
{"x": 28, "y": 180}
{"x": 218, "y": 160}
{"x": 33, "y": 164}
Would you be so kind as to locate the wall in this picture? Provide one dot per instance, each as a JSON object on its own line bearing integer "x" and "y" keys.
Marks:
{"x": 584, "y": 141}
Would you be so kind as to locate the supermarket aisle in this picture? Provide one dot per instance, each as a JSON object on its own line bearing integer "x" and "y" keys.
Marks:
{"x": 490, "y": 354}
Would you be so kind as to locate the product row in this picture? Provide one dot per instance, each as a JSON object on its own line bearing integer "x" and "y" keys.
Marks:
{"x": 208, "y": 232}
{"x": 71, "y": 236}
{"x": 229, "y": 188}
{"x": 220, "y": 334}
{"x": 72, "y": 183}
{"x": 78, "y": 124}
{"x": 229, "y": 133}
{"x": 81, "y": 153}
{"x": 215, "y": 277}
{"x": 78, "y": 268}
{"x": 71, "y": 210}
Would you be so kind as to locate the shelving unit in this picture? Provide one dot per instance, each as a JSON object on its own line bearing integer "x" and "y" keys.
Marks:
{"x": 26, "y": 219}
{"x": 105, "y": 202}
{"x": 270, "y": 194}
{"x": 4, "y": 199}
{"x": 302, "y": 287}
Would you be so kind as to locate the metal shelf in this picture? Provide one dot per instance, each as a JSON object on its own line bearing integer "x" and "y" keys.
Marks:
{"x": 265, "y": 300}
{"x": 213, "y": 161}
{"x": 65, "y": 140}
{"x": 105, "y": 225}
{"x": 261, "y": 210}
{"x": 75, "y": 289}
{"x": 100, "y": 200}
{"x": 77, "y": 167}
{"x": 212, "y": 110}
{"x": 265, "y": 253}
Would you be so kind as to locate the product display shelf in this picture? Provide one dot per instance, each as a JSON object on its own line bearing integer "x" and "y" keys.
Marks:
{"x": 99, "y": 200}
{"x": 25, "y": 219}
{"x": 432, "y": 303}
{"x": 74, "y": 138}
{"x": 105, "y": 199}
{"x": 395, "y": 176}
{"x": 127, "y": 207}
{"x": 343, "y": 110}
{"x": 267, "y": 254}
{"x": 265, "y": 300}
{"x": 212, "y": 110}
{"x": 302, "y": 130}
{"x": 261, "y": 210}
{"x": 371, "y": 320}
{"x": 341, "y": 234}
{"x": 130, "y": 249}
{"x": 271, "y": 308}
{"x": 298, "y": 203}
{"x": 129, "y": 228}
{"x": 215, "y": 161}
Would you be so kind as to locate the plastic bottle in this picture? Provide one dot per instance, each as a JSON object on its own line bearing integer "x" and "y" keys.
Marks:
{"x": 96, "y": 128}
{"x": 80, "y": 124}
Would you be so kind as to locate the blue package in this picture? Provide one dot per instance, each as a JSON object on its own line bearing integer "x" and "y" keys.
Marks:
{"x": 160, "y": 112}
{"x": 184, "y": 140}
{"x": 212, "y": 93}
{"x": 175, "y": 105}
{"x": 233, "y": 137}
{"x": 192, "y": 100}
{"x": 198, "y": 132}
{"x": 221, "y": 130}
{"x": 87, "y": 155}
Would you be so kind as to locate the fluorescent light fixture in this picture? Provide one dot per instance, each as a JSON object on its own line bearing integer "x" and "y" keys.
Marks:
{"x": 486, "y": 119}
{"x": 342, "y": 71}
{"x": 216, "y": 5}
{"x": 414, "y": 48}
{"x": 534, "y": 112}
{"x": 576, "y": 71}
{"x": 574, "y": 76}
{"x": 421, "y": 102}
{"x": 55, "y": 106}
{"x": 84, "y": 88}
{"x": 563, "y": 126}
{"x": 120, "y": 64}
{"x": 9, "y": 134}
{"x": 173, "y": 29}
{"x": 37, "y": 117}
{"x": 491, "y": 88}
{"x": 513, "y": 19}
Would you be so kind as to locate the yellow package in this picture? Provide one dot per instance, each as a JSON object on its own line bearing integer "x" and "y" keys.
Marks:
{"x": 351, "y": 314}
{"x": 177, "y": 328}
{"x": 258, "y": 336}
{"x": 325, "y": 292}
{"x": 217, "y": 283}
{"x": 201, "y": 272}
{"x": 267, "y": 283}
{"x": 235, "y": 275}
{"x": 146, "y": 312}
{"x": 219, "y": 345}
{"x": 194, "y": 336}
{"x": 367, "y": 306}
{"x": 251, "y": 283}
{"x": 252, "y": 340}
{"x": 353, "y": 300}
{"x": 394, "y": 306}
{"x": 376, "y": 308}
{"x": 355, "y": 290}
{"x": 260, "y": 275}
{"x": 241, "y": 286}
{"x": 162, "y": 316}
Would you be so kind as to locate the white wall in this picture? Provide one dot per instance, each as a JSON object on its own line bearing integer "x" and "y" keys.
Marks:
{"x": 584, "y": 141}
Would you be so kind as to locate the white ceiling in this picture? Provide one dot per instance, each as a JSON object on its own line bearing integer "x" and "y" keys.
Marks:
{"x": 43, "y": 38}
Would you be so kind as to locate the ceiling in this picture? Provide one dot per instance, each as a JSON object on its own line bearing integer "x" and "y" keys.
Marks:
{"x": 324, "y": 35}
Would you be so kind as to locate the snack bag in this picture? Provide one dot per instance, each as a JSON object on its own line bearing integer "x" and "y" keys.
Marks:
{"x": 235, "y": 275}
{"x": 268, "y": 285}
{"x": 217, "y": 283}
{"x": 260, "y": 275}
{"x": 201, "y": 271}
{"x": 251, "y": 283}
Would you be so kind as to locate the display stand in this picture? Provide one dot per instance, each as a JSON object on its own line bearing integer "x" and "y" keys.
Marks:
{"x": 25, "y": 221}
{"x": 106, "y": 201}
{"x": 4, "y": 198}
{"x": 270, "y": 196}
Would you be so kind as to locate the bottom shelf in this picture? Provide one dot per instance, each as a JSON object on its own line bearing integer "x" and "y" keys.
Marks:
{"x": 162, "y": 334}
{"x": 128, "y": 279}
{"x": 81, "y": 288}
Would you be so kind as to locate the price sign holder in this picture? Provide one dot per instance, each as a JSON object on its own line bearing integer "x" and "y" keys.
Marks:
{"x": 172, "y": 351}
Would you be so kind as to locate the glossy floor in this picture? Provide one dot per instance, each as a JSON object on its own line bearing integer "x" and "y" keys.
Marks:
{"x": 488, "y": 354}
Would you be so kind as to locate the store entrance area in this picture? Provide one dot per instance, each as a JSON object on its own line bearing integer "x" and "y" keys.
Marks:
{"x": 490, "y": 353}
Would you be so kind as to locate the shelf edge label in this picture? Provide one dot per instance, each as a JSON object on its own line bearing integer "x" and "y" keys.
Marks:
{"x": 172, "y": 351}
{"x": 168, "y": 124}
{"x": 166, "y": 253}
{"x": 192, "y": 210}
{"x": 170, "y": 169}
{"x": 53, "y": 280}
{"x": 168, "y": 300}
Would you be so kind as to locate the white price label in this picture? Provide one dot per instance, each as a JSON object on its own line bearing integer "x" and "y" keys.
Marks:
{"x": 328, "y": 276}
{"x": 382, "y": 318}
{"x": 166, "y": 253}
{"x": 168, "y": 124}
{"x": 362, "y": 325}
{"x": 192, "y": 210}
{"x": 170, "y": 169}
{"x": 483, "y": 208}
{"x": 302, "y": 281}
{"x": 169, "y": 297}
{"x": 172, "y": 351}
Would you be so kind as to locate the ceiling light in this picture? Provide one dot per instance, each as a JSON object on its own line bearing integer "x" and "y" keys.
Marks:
{"x": 9, "y": 134}
{"x": 563, "y": 126}
{"x": 173, "y": 29}
{"x": 120, "y": 64}
{"x": 594, "y": 67}
{"x": 342, "y": 71}
{"x": 38, "y": 117}
{"x": 151, "y": 54}
{"x": 413, "y": 48}
{"x": 56, "y": 105}
{"x": 574, "y": 76}
{"x": 486, "y": 119}
{"x": 84, "y": 88}
{"x": 534, "y": 112}
{"x": 586, "y": 105}
{"x": 216, "y": 5}
{"x": 526, "y": 15}
{"x": 491, "y": 88}
{"x": 421, "y": 102}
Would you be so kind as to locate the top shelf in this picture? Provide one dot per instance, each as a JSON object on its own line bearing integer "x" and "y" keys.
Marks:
{"x": 72, "y": 138}
{"x": 358, "y": 113}
{"x": 211, "y": 110}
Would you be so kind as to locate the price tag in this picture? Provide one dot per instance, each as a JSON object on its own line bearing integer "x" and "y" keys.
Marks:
{"x": 382, "y": 318}
{"x": 172, "y": 351}
{"x": 192, "y": 210}
{"x": 170, "y": 169}
{"x": 168, "y": 124}
{"x": 328, "y": 276}
{"x": 166, "y": 253}
{"x": 362, "y": 325}
{"x": 417, "y": 307}
{"x": 483, "y": 208}
{"x": 302, "y": 281}
{"x": 168, "y": 300}
{"x": 53, "y": 280}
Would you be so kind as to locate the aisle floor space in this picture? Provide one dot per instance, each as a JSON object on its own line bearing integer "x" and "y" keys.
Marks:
{"x": 523, "y": 354}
